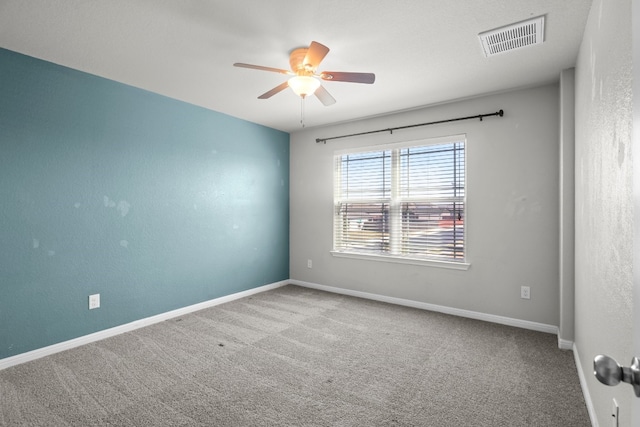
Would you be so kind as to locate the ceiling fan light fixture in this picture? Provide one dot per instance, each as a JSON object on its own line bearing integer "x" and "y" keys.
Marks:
{"x": 304, "y": 85}
{"x": 304, "y": 81}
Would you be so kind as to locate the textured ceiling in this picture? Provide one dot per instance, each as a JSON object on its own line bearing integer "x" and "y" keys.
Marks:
{"x": 423, "y": 52}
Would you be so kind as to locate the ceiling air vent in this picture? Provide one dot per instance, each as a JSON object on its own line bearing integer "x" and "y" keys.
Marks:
{"x": 512, "y": 37}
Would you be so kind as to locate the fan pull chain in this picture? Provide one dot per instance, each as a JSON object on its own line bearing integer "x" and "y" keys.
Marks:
{"x": 302, "y": 110}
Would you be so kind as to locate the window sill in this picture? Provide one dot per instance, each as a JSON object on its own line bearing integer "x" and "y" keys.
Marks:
{"x": 403, "y": 260}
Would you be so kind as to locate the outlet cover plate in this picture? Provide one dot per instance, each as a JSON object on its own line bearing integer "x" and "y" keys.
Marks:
{"x": 525, "y": 292}
{"x": 94, "y": 301}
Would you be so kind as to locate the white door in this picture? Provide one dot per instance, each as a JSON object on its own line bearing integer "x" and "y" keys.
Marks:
{"x": 610, "y": 373}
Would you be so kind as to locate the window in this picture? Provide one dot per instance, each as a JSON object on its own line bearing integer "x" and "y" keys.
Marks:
{"x": 402, "y": 202}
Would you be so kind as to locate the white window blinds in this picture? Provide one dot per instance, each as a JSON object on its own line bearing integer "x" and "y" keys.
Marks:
{"x": 406, "y": 201}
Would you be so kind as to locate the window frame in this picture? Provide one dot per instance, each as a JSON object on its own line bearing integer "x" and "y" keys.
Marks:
{"x": 397, "y": 258}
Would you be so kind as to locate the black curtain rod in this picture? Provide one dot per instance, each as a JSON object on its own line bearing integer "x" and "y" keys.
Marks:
{"x": 479, "y": 116}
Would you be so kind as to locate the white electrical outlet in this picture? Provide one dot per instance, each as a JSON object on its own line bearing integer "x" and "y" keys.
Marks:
{"x": 615, "y": 413}
{"x": 309, "y": 263}
{"x": 94, "y": 301}
{"x": 525, "y": 292}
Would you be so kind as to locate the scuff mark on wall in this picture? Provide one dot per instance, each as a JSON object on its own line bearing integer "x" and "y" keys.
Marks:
{"x": 123, "y": 207}
{"x": 516, "y": 206}
{"x": 108, "y": 203}
{"x": 519, "y": 205}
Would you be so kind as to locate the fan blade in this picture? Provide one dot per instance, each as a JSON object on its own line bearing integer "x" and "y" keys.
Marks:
{"x": 324, "y": 96}
{"x": 273, "y": 91}
{"x": 315, "y": 55}
{"x": 260, "y": 67}
{"x": 338, "y": 76}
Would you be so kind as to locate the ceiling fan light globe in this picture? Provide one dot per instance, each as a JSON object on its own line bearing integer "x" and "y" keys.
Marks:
{"x": 303, "y": 85}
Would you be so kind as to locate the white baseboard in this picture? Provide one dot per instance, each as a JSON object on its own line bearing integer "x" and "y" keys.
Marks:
{"x": 585, "y": 388}
{"x": 524, "y": 324}
{"x": 96, "y": 336}
{"x": 565, "y": 344}
{"x": 86, "y": 339}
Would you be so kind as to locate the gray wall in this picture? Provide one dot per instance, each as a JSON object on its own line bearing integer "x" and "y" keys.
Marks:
{"x": 604, "y": 208}
{"x": 512, "y": 208}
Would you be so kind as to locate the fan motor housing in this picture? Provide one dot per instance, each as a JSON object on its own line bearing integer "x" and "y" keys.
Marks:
{"x": 296, "y": 61}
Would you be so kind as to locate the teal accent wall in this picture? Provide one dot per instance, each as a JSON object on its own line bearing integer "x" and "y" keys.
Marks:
{"x": 153, "y": 203}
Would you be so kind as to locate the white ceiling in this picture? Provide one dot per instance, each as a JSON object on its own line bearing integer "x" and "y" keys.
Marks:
{"x": 423, "y": 52}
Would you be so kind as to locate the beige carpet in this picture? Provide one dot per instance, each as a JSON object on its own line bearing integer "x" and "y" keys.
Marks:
{"x": 300, "y": 357}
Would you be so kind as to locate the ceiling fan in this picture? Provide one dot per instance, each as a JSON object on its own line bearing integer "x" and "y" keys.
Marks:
{"x": 305, "y": 81}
